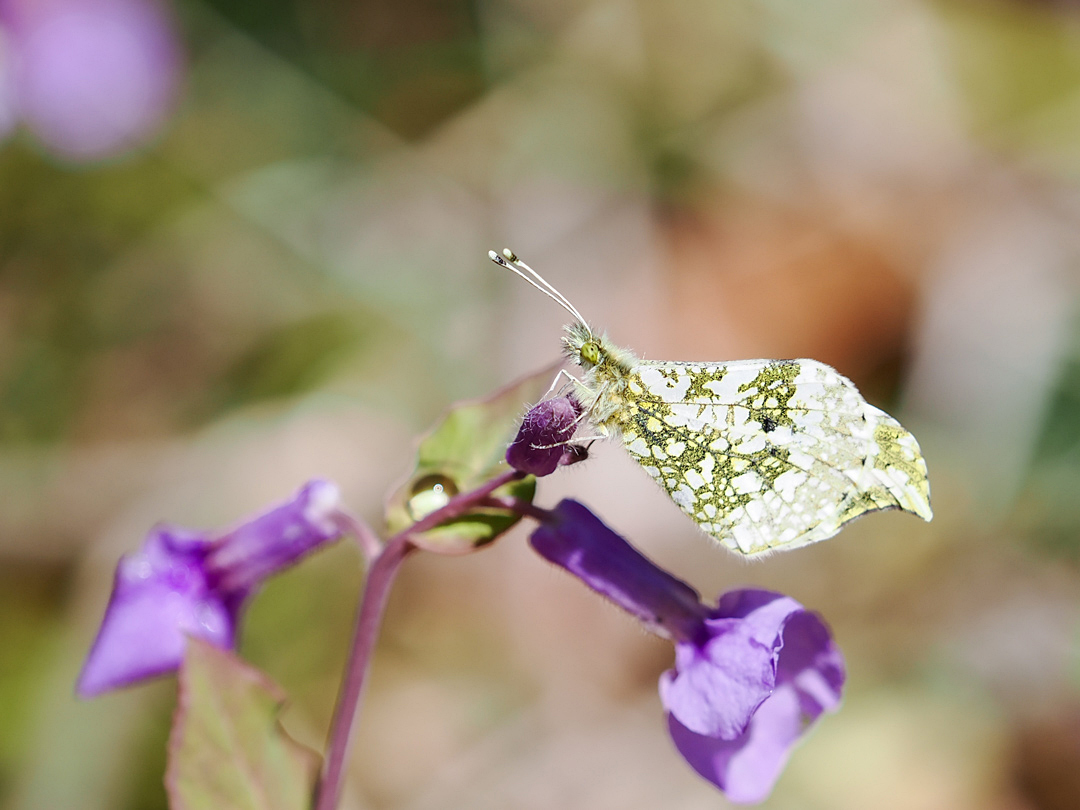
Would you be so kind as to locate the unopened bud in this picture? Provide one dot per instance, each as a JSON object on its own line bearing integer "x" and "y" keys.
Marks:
{"x": 542, "y": 443}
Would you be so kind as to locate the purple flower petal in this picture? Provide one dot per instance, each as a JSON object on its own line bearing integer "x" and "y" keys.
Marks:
{"x": 541, "y": 445}
{"x": 95, "y": 77}
{"x": 747, "y": 767}
{"x": 183, "y": 583}
{"x": 722, "y": 677}
{"x": 809, "y": 679}
{"x": 160, "y": 596}
{"x": 263, "y": 545}
{"x": 715, "y": 691}
{"x": 813, "y": 663}
{"x": 578, "y": 541}
{"x": 8, "y": 112}
{"x": 750, "y": 676}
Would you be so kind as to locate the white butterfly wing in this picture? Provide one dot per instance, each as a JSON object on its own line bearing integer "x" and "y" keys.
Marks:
{"x": 768, "y": 454}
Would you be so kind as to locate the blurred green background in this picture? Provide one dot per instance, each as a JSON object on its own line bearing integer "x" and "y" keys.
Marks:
{"x": 287, "y": 277}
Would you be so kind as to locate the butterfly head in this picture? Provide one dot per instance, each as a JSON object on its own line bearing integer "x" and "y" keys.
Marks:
{"x": 600, "y": 359}
{"x": 583, "y": 347}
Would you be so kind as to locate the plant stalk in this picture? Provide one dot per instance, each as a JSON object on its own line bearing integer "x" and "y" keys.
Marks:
{"x": 380, "y": 577}
{"x": 384, "y": 566}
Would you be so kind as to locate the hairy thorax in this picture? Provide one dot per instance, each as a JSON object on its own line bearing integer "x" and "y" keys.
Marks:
{"x": 606, "y": 374}
{"x": 607, "y": 394}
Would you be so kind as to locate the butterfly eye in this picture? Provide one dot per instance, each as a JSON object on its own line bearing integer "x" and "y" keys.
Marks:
{"x": 590, "y": 352}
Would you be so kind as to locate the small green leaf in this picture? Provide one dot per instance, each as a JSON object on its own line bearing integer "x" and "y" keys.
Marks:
{"x": 227, "y": 749}
{"x": 466, "y": 448}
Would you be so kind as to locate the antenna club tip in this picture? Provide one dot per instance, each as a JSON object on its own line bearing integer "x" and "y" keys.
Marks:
{"x": 493, "y": 256}
{"x": 510, "y": 255}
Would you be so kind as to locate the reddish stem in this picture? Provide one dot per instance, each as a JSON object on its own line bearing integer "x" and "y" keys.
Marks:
{"x": 385, "y": 564}
{"x": 369, "y": 542}
{"x": 372, "y": 604}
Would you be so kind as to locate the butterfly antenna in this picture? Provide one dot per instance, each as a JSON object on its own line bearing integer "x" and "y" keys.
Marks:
{"x": 549, "y": 286}
{"x": 511, "y": 262}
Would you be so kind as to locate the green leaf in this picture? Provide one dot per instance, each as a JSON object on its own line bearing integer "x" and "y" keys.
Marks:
{"x": 466, "y": 448}
{"x": 227, "y": 749}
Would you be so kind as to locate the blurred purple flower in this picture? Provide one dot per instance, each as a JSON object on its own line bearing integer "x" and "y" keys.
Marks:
{"x": 542, "y": 443}
{"x": 751, "y": 674}
{"x": 184, "y": 582}
{"x": 8, "y": 113}
{"x": 92, "y": 78}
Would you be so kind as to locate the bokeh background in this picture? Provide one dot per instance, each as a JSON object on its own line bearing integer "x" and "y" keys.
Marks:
{"x": 242, "y": 243}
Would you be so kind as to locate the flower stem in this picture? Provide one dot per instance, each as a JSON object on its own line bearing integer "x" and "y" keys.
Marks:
{"x": 380, "y": 577}
{"x": 523, "y": 508}
{"x": 384, "y": 565}
{"x": 369, "y": 542}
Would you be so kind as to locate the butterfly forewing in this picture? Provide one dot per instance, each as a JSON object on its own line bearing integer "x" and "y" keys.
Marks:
{"x": 767, "y": 454}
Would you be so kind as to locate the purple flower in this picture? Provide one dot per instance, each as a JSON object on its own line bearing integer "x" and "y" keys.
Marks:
{"x": 751, "y": 674}
{"x": 762, "y": 670}
{"x": 8, "y": 112}
{"x": 92, "y": 78}
{"x": 187, "y": 583}
{"x": 542, "y": 443}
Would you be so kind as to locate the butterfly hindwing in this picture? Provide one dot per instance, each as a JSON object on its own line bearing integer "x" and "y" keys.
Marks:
{"x": 768, "y": 454}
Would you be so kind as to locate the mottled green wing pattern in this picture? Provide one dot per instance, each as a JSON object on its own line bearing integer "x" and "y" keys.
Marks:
{"x": 769, "y": 454}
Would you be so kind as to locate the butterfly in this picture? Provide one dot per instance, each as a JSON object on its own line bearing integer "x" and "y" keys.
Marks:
{"x": 763, "y": 455}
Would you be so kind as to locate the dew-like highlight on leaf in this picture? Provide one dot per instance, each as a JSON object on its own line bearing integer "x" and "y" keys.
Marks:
{"x": 430, "y": 493}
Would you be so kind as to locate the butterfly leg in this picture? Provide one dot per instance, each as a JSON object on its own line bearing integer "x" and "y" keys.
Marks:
{"x": 586, "y": 410}
{"x": 577, "y": 440}
{"x": 562, "y": 373}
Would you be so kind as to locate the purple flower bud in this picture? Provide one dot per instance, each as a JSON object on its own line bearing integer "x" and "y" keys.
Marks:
{"x": 542, "y": 442}
{"x": 751, "y": 675}
{"x": 185, "y": 583}
{"x": 93, "y": 77}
